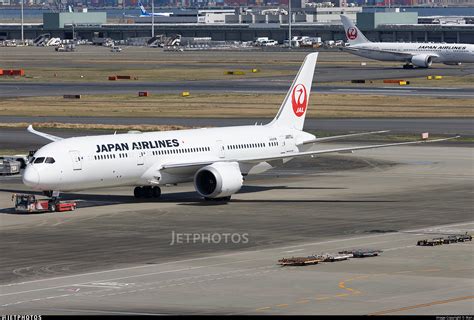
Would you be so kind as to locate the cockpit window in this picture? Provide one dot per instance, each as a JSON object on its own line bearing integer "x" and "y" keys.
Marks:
{"x": 32, "y": 160}
{"x": 39, "y": 160}
{"x": 49, "y": 160}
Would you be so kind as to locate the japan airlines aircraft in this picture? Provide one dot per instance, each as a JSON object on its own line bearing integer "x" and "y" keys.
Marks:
{"x": 145, "y": 13}
{"x": 216, "y": 159}
{"x": 413, "y": 54}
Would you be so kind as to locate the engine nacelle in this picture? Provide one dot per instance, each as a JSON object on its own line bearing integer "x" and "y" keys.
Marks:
{"x": 422, "y": 60}
{"x": 218, "y": 180}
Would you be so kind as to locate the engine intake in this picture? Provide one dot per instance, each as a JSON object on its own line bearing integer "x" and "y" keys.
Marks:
{"x": 218, "y": 180}
{"x": 422, "y": 60}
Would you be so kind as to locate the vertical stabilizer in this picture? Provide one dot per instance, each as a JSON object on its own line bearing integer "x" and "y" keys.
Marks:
{"x": 353, "y": 34}
{"x": 142, "y": 9}
{"x": 293, "y": 110}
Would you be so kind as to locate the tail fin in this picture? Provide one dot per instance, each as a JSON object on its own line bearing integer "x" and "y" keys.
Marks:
{"x": 142, "y": 9}
{"x": 293, "y": 110}
{"x": 353, "y": 34}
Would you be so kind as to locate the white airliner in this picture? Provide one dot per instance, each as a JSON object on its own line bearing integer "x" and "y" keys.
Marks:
{"x": 216, "y": 159}
{"x": 145, "y": 13}
{"x": 412, "y": 53}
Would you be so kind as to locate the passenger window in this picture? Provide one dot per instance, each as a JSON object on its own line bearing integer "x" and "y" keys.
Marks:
{"x": 50, "y": 160}
{"x": 39, "y": 160}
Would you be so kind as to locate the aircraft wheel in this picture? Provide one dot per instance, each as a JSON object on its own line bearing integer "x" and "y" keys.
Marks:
{"x": 156, "y": 192}
{"x": 138, "y": 192}
{"x": 147, "y": 192}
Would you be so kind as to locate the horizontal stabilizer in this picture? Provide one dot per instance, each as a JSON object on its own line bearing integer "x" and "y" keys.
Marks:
{"x": 342, "y": 137}
{"x": 42, "y": 134}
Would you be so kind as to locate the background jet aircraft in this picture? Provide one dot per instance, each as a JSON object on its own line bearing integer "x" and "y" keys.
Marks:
{"x": 144, "y": 13}
{"x": 412, "y": 53}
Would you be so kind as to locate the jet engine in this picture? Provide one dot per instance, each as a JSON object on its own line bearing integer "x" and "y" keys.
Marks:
{"x": 218, "y": 180}
{"x": 422, "y": 60}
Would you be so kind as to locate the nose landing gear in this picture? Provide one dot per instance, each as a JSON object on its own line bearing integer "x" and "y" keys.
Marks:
{"x": 147, "y": 192}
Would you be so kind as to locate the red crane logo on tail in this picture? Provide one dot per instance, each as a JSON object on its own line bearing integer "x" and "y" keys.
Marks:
{"x": 299, "y": 100}
{"x": 351, "y": 33}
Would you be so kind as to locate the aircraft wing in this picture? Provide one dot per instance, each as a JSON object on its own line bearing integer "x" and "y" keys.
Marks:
{"x": 188, "y": 165}
{"x": 340, "y": 137}
{"x": 341, "y": 150}
{"x": 191, "y": 167}
{"x": 42, "y": 134}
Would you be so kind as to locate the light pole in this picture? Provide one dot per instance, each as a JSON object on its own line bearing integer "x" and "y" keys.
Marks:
{"x": 22, "y": 34}
{"x": 289, "y": 22}
{"x": 152, "y": 18}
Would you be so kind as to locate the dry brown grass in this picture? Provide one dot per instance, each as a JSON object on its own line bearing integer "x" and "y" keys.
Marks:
{"x": 466, "y": 81}
{"x": 236, "y": 105}
{"x": 101, "y": 74}
{"x": 93, "y": 126}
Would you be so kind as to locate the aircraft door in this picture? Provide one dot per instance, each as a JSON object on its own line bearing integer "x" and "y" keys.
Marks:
{"x": 76, "y": 159}
{"x": 140, "y": 158}
{"x": 281, "y": 141}
{"x": 220, "y": 149}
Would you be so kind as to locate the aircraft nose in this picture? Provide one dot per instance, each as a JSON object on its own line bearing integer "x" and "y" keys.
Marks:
{"x": 31, "y": 177}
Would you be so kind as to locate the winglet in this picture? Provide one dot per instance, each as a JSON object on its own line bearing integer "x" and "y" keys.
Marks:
{"x": 42, "y": 134}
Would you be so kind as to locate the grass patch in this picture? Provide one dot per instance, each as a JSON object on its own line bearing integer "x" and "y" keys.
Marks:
{"x": 93, "y": 126}
{"x": 101, "y": 74}
{"x": 466, "y": 81}
{"x": 236, "y": 105}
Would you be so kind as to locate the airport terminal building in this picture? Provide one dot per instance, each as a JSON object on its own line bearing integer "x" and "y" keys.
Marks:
{"x": 238, "y": 26}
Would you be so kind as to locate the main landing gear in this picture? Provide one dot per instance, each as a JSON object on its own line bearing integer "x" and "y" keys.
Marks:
{"x": 408, "y": 66}
{"x": 147, "y": 192}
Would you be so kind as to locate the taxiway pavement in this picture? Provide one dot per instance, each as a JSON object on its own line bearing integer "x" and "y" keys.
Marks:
{"x": 116, "y": 256}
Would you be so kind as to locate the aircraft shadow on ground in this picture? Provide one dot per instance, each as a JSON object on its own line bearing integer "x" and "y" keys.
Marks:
{"x": 183, "y": 198}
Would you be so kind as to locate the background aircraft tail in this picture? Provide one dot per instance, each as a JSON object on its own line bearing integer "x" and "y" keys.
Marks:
{"x": 353, "y": 34}
{"x": 293, "y": 110}
{"x": 142, "y": 9}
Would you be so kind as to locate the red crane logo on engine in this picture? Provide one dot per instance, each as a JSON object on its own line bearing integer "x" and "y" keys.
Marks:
{"x": 299, "y": 100}
{"x": 351, "y": 33}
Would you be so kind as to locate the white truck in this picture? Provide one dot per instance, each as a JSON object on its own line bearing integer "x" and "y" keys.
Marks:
{"x": 116, "y": 49}
{"x": 9, "y": 166}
